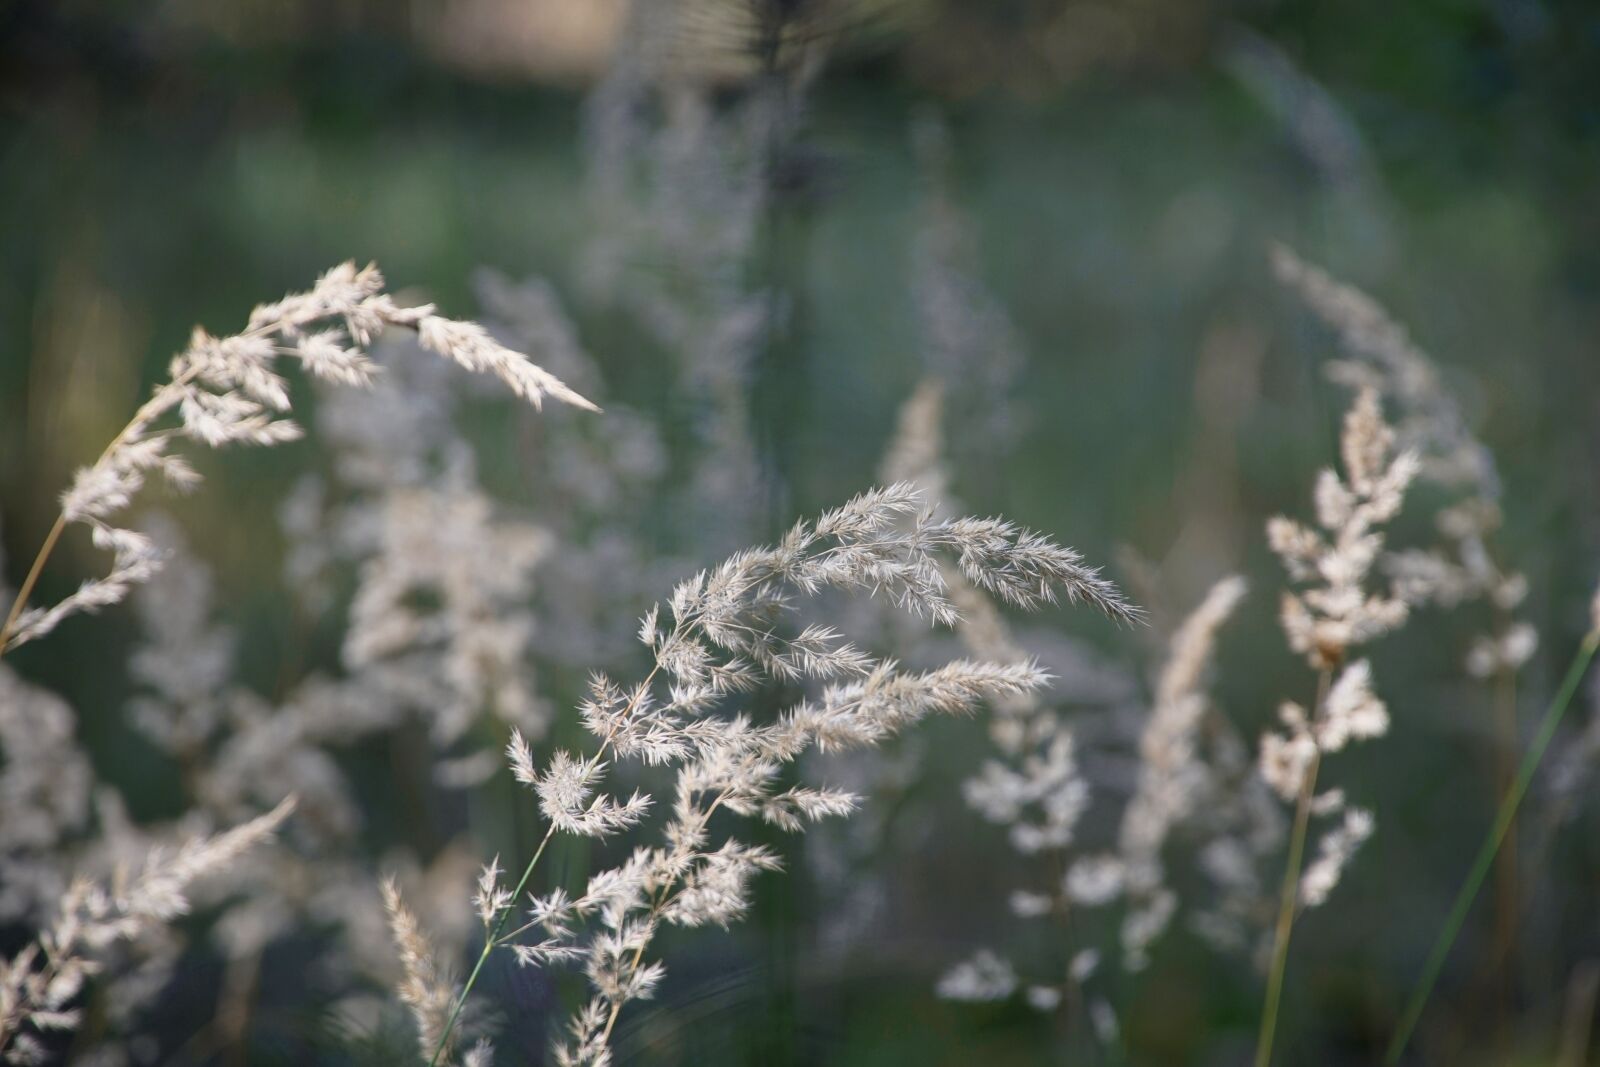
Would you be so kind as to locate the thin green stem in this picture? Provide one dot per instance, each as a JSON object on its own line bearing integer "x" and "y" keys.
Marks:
{"x": 512, "y": 935}
{"x": 493, "y": 939}
{"x": 488, "y": 947}
{"x": 1289, "y": 901}
{"x": 1491, "y": 845}
{"x": 1287, "y": 905}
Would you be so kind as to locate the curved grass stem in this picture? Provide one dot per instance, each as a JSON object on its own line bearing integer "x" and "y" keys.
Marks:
{"x": 151, "y": 409}
{"x": 28, "y": 583}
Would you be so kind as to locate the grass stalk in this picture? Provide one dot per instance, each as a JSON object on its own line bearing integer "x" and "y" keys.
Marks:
{"x": 1287, "y": 906}
{"x": 488, "y": 947}
{"x": 1289, "y": 902}
{"x": 1507, "y": 863}
{"x": 1491, "y": 845}
{"x": 28, "y": 583}
{"x": 493, "y": 938}
{"x": 149, "y": 410}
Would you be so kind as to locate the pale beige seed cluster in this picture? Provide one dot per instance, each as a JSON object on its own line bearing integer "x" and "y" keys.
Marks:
{"x": 229, "y": 390}
{"x": 720, "y": 634}
{"x": 1335, "y": 611}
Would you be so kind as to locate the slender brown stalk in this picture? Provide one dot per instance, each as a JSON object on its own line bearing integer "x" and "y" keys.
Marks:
{"x": 638, "y": 953}
{"x": 30, "y": 581}
{"x": 150, "y": 409}
{"x": 1288, "y": 904}
{"x": 633, "y": 965}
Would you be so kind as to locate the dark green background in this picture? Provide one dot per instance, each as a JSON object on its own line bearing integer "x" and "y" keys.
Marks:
{"x": 155, "y": 173}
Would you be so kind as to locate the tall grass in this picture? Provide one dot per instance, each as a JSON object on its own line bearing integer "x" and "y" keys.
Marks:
{"x": 463, "y": 672}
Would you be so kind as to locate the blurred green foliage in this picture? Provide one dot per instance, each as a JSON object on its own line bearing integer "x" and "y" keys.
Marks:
{"x": 1445, "y": 155}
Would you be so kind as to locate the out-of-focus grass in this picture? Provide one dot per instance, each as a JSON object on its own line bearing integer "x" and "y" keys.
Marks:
{"x": 1122, "y": 224}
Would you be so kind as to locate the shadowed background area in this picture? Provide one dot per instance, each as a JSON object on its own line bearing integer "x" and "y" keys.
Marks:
{"x": 1063, "y": 211}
